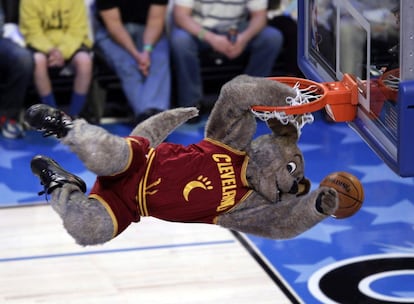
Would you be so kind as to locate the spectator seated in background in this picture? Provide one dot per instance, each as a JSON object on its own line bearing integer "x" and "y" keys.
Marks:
{"x": 282, "y": 14}
{"x": 231, "y": 28}
{"x": 130, "y": 34}
{"x": 58, "y": 34}
{"x": 16, "y": 69}
{"x": 384, "y": 33}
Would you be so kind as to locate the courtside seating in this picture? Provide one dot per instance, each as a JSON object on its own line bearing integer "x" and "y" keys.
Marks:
{"x": 106, "y": 93}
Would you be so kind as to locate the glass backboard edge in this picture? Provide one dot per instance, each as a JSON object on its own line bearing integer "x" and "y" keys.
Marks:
{"x": 406, "y": 128}
{"x": 303, "y": 63}
{"x": 360, "y": 126}
{"x": 399, "y": 157}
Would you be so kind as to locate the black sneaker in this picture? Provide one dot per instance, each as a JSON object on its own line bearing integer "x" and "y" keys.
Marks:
{"x": 49, "y": 120}
{"x": 52, "y": 175}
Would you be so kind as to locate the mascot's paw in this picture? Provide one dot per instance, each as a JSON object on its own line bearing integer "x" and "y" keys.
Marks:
{"x": 327, "y": 201}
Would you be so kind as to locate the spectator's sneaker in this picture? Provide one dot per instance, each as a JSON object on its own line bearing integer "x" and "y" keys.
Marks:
{"x": 49, "y": 120}
{"x": 52, "y": 175}
{"x": 11, "y": 128}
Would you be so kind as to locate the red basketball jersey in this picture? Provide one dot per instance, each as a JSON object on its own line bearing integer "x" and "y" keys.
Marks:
{"x": 173, "y": 182}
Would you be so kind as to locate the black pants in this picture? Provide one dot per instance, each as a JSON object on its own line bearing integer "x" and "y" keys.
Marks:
{"x": 16, "y": 73}
{"x": 289, "y": 29}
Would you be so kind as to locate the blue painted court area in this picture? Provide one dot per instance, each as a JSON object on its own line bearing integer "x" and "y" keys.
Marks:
{"x": 368, "y": 258}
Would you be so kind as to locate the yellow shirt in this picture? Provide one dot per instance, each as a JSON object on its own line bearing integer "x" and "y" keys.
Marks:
{"x": 62, "y": 24}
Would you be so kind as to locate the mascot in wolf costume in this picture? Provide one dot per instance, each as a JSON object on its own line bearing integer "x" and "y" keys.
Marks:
{"x": 255, "y": 186}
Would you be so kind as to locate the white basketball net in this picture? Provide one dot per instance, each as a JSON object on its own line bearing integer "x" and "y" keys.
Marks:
{"x": 303, "y": 96}
{"x": 392, "y": 82}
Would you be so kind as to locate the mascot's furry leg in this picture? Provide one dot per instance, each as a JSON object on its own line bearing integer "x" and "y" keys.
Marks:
{"x": 86, "y": 219}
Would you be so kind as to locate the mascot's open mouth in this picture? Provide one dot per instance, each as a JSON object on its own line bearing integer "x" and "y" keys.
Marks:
{"x": 298, "y": 189}
{"x": 303, "y": 187}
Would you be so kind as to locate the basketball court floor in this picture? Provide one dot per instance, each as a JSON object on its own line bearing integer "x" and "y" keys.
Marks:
{"x": 367, "y": 258}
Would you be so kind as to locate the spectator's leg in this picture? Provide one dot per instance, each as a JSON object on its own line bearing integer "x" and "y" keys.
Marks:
{"x": 156, "y": 87}
{"x": 42, "y": 80}
{"x": 156, "y": 92}
{"x": 288, "y": 27}
{"x": 16, "y": 68}
{"x": 82, "y": 62}
{"x": 185, "y": 51}
{"x": 126, "y": 68}
{"x": 264, "y": 49}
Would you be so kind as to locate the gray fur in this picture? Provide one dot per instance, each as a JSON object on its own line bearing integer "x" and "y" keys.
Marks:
{"x": 170, "y": 119}
{"x": 84, "y": 218}
{"x": 270, "y": 211}
{"x": 96, "y": 146}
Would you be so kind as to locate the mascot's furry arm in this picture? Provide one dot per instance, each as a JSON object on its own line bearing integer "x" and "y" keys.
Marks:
{"x": 280, "y": 206}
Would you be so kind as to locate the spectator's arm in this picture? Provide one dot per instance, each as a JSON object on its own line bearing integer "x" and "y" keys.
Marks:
{"x": 258, "y": 20}
{"x": 113, "y": 23}
{"x": 183, "y": 18}
{"x": 12, "y": 32}
{"x": 30, "y": 27}
{"x": 155, "y": 24}
{"x": 1, "y": 17}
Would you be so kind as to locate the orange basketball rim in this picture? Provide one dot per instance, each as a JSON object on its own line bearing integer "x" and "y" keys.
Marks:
{"x": 340, "y": 99}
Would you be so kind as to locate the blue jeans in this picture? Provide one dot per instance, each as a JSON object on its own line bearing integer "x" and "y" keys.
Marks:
{"x": 143, "y": 93}
{"x": 262, "y": 49}
{"x": 16, "y": 74}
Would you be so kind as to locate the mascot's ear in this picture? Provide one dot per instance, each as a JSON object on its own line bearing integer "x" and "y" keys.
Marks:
{"x": 280, "y": 129}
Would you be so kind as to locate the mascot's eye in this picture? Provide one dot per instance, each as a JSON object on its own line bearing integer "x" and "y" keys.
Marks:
{"x": 291, "y": 167}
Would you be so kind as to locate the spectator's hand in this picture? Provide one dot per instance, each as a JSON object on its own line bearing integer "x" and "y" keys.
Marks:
{"x": 237, "y": 48}
{"x": 55, "y": 58}
{"x": 143, "y": 60}
{"x": 145, "y": 63}
{"x": 221, "y": 44}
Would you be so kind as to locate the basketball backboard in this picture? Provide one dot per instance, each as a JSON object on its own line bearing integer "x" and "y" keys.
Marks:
{"x": 373, "y": 42}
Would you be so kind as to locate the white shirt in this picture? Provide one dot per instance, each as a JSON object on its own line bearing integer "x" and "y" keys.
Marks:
{"x": 222, "y": 14}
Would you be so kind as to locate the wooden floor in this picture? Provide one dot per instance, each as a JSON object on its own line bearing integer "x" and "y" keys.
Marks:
{"x": 151, "y": 262}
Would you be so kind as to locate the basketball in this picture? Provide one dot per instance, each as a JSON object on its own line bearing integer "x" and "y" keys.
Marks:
{"x": 350, "y": 193}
